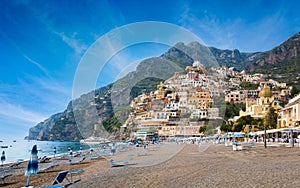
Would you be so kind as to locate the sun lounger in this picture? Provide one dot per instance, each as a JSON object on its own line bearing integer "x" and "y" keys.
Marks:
{"x": 94, "y": 157}
{"x": 142, "y": 153}
{"x": 151, "y": 149}
{"x": 76, "y": 172}
{"x": 47, "y": 168}
{"x": 234, "y": 147}
{"x": 58, "y": 182}
{"x": 104, "y": 153}
{"x": 77, "y": 161}
{"x": 16, "y": 164}
{"x": 130, "y": 155}
{"x": 4, "y": 175}
{"x": 118, "y": 163}
{"x": 249, "y": 147}
{"x": 239, "y": 148}
{"x": 45, "y": 159}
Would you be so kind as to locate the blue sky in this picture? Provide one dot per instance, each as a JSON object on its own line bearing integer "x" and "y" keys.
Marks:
{"x": 42, "y": 42}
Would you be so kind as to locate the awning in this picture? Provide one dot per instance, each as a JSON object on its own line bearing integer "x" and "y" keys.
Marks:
{"x": 238, "y": 135}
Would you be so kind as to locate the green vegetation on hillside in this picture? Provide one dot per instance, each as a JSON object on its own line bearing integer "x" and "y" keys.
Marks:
{"x": 233, "y": 109}
{"x": 243, "y": 121}
{"x": 111, "y": 123}
{"x": 65, "y": 129}
{"x": 249, "y": 86}
{"x": 144, "y": 86}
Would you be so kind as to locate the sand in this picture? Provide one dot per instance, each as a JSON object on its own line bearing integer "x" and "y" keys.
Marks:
{"x": 178, "y": 165}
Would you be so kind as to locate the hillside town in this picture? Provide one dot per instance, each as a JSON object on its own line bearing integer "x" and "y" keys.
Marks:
{"x": 185, "y": 104}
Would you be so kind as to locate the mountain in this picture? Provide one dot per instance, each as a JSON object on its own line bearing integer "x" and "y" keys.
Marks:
{"x": 107, "y": 108}
{"x": 281, "y": 63}
{"x": 235, "y": 58}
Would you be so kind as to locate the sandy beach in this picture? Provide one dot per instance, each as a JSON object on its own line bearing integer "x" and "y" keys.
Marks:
{"x": 179, "y": 165}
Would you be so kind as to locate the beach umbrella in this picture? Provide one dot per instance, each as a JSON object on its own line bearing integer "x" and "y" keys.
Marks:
{"x": 3, "y": 157}
{"x": 80, "y": 150}
{"x": 54, "y": 151}
{"x": 70, "y": 156}
{"x": 32, "y": 168}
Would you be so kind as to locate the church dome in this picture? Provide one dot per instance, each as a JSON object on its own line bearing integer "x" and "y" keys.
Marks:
{"x": 196, "y": 64}
{"x": 265, "y": 92}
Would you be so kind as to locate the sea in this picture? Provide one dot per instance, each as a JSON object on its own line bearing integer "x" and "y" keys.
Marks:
{"x": 20, "y": 149}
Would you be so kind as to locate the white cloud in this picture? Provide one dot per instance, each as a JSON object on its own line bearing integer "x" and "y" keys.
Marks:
{"x": 43, "y": 17}
{"x": 47, "y": 94}
{"x": 16, "y": 113}
{"x": 51, "y": 85}
{"x": 36, "y": 64}
{"x": 210, "y": 29}
{"x": 78, "y": 46}
{"x": 231, "y": 33}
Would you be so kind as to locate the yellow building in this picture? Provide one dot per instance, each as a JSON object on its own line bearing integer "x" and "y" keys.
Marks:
{"x": 167, "y": 130}
{"x": 143, "y": 115}
{"x": 160, "y": 93}
{"x": 290, "y": 114}
{"x": 201, "y": 99}
{"x": 258, "y": 108}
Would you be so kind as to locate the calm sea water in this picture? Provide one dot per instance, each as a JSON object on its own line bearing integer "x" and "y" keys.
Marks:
{"x": 21, "y": 148}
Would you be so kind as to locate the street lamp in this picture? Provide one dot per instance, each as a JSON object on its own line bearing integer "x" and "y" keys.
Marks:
{"x": 265, "y": 135}
{"x": 291, "y": 137}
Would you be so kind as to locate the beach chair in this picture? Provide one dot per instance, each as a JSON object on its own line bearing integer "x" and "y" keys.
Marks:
{"x": 72, "y": 162}
{"x": 130, "y": 155}
{"x": 239, "y": 148}
{"x": 45, "y": 159}
{"x": 249, "y": 147}
{"x": 142, "y": 153}
{"x": 58, "y": 182}
{"x": 92, "y": 157}
{"x": 234, "y": 147}
{"x": 4, "y": 175}
{"x": 118, "y": 163}
{"x": 76, "y": 172}
{"x": 151, "y": 149}
{"x": 16, "y": 164}
{"x": 47, "y": 168}
{"x": 104, "y": 153}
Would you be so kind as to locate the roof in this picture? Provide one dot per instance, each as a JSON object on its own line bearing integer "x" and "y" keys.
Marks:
{"x": 265, "y": 92}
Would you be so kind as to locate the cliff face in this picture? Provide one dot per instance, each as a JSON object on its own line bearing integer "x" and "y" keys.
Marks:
{"x": 37, "y": 132}
{"x": 235, "y": 58}
{"x": 281, "y": 63}
{"x": 110, "y": 103}
{"x": 287, "y": 51}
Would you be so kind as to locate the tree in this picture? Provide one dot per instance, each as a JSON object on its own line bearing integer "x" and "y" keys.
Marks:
{"x": 294, "y": 91}
{"x": 249, "y": 86}
{"x": 202, "y": 129}
{"x": 233, "y": 109}
{"x": 241, "y": 123}
{"x": 226, "y": 127}
{"x": 271, "y": 118}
